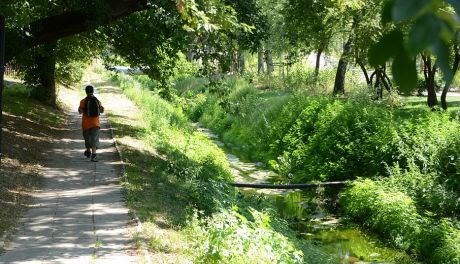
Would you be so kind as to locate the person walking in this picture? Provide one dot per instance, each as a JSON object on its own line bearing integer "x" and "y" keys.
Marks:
{"x": 91, "y": 108}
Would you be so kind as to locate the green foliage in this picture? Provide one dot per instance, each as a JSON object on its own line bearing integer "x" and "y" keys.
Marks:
{"x": 236, "y": 237}
{"x": 430, "y": 194}
{"x": 320, "y": 138}
{"x": 200, "y": 166}
{"x": 70, "y": 73}
{"x": 199, "y": 173}
{"x": 393, "y": 215}
{"x": 430, "y": 25}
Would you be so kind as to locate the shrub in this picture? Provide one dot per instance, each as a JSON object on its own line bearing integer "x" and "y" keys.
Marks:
{"x": 200, "y": 166}
{"x": 426, "y": 189}
{"x": 231, "y": 237}
{"x": 199, "y": 172}
{"x": 393, "y": 215}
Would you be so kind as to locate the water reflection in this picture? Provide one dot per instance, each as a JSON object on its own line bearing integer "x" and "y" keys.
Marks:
{"x": 312, "y": 213}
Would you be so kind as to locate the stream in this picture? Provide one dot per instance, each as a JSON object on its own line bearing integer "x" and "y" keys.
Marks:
{"x": 306, "y": 213}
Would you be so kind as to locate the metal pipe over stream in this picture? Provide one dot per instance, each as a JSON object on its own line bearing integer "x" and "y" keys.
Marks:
{"x": 287, "y": 186}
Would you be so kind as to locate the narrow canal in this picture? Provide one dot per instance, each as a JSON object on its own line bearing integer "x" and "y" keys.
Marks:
{"x": 310, "y": 213}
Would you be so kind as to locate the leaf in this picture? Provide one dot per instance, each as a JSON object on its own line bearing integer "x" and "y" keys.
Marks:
{"x": 404, "y": 71}
{"x": 441, "y": 50}
{"x": 455, "y": 4}
{"x": 383, "y": 50}
{"x": 386, "y": 11}
{"x": 406, "y": 9}
{"x": 423, "y": 33}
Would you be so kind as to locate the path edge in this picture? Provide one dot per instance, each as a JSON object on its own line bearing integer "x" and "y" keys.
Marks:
{"x": 139, "y": 226}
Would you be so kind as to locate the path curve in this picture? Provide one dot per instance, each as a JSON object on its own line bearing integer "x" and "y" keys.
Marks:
{"x": 78, "y": 216}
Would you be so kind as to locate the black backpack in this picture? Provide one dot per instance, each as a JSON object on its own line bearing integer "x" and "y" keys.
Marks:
{"x": 93, "y": 108}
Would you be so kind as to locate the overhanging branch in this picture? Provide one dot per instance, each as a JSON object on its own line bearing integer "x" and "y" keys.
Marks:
{"x": 69, "y": 23}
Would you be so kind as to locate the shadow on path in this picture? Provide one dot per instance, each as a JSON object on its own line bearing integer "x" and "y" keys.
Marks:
{"x": 79, "y": 215}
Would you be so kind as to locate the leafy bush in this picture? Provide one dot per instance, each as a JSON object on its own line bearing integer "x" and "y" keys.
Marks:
{"x": 426, "y": 189}
{"x": 232, "y": 237}
{"x": 200, "y": 174}
{"x": 448, "y": 233}
{"x": 393, "y": 215}
{"x": 197, "y": 163}
{"x": 70, "y": 73}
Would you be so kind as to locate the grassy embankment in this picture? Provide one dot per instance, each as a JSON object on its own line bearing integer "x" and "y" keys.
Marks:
{"x": 409, "y": 154}
{"x": 29, "y": 128}
{"x": 177, "y": 184}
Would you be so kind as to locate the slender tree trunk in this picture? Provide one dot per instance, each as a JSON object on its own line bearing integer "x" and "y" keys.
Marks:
{"x": 189, "y": 55}
{"x": 2, "y": 62}
{"x": 269, "y": 61}
{"x": 454, "y": 70}
{"x": 240, "y": 61}
{"x": 429, "y": 74}
{"x": 45, "y": 90}
{"x": 339, "y": 84}
{"x": 363, "y": 69}
{"x": 318, "y": 60}
{"x": 260, "y": 61}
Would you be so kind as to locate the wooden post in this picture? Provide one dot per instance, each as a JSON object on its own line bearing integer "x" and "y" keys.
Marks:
{"x": 2, "y": 71}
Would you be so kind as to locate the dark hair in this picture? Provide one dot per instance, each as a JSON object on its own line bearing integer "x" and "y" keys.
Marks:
{"x": 89, "y": 89}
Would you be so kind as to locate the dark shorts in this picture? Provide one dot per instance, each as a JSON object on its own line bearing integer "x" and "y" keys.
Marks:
{"x": 91, "y": 137}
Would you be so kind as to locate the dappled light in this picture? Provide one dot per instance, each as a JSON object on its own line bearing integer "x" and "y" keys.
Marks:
{"x": 230, "y": 131}
{"x": 78, "y": 214}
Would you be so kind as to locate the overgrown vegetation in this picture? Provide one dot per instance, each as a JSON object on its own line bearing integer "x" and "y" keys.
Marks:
{"x": 414, "y": 153}
{"x": 191, "y": 174}
{"x": 394, "y": 216}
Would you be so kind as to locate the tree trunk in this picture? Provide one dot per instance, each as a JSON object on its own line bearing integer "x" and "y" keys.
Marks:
{"x": 240, "y": 61}
{"x": 234, "y": 62}
{"x": 45, "y": 89}
{"x": 269, "y": 61}
{"x": 339, "y": 84}
{"x": 318, "y": 61}
{"x": 260, "y": 61}
{"x": 363, "y": 68}
{"x": 2, "y": 62}
{"x": 454, "y": 70}
{"x": 429, "y": 74}
{"x": 189, "y": 55}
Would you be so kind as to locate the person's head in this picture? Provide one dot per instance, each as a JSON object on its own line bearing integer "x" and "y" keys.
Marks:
{"x": 89, "y": 89}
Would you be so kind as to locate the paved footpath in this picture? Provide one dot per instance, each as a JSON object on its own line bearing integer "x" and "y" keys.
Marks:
{"x": 78, "y": 216}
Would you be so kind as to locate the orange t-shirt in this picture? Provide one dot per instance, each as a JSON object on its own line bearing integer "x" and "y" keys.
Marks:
{"x": 88, "y": 121}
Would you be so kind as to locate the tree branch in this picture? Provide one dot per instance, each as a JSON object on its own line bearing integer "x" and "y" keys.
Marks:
{"x": 69, "y": 23}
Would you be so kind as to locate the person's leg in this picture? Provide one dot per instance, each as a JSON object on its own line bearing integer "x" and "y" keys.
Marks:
{"x": 86, "y": 136}
{"x": 94, "y": 143}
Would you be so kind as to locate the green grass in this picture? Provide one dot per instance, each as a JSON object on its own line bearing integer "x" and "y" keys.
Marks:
{"x": 324, "y": 138}
{"x": 177, "y": 180}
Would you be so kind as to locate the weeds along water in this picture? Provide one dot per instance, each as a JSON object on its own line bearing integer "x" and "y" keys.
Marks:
{"x": 187, "y": 182}
{"x": 302, "y": 136}
{"x": 307, "y": 213}
{"x": 406, "y": 154}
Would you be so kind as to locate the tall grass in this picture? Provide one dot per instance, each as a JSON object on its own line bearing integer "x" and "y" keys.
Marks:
{"x": 393, "y": 215}
{"x": 415, "y": 151}
{"x": 222, "y": 227}
{"x": 321, "y": 138}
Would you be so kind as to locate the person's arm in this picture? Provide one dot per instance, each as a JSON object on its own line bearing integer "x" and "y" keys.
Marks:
{"x": 80, "y": 108}
{"x": 101, "y": 108}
